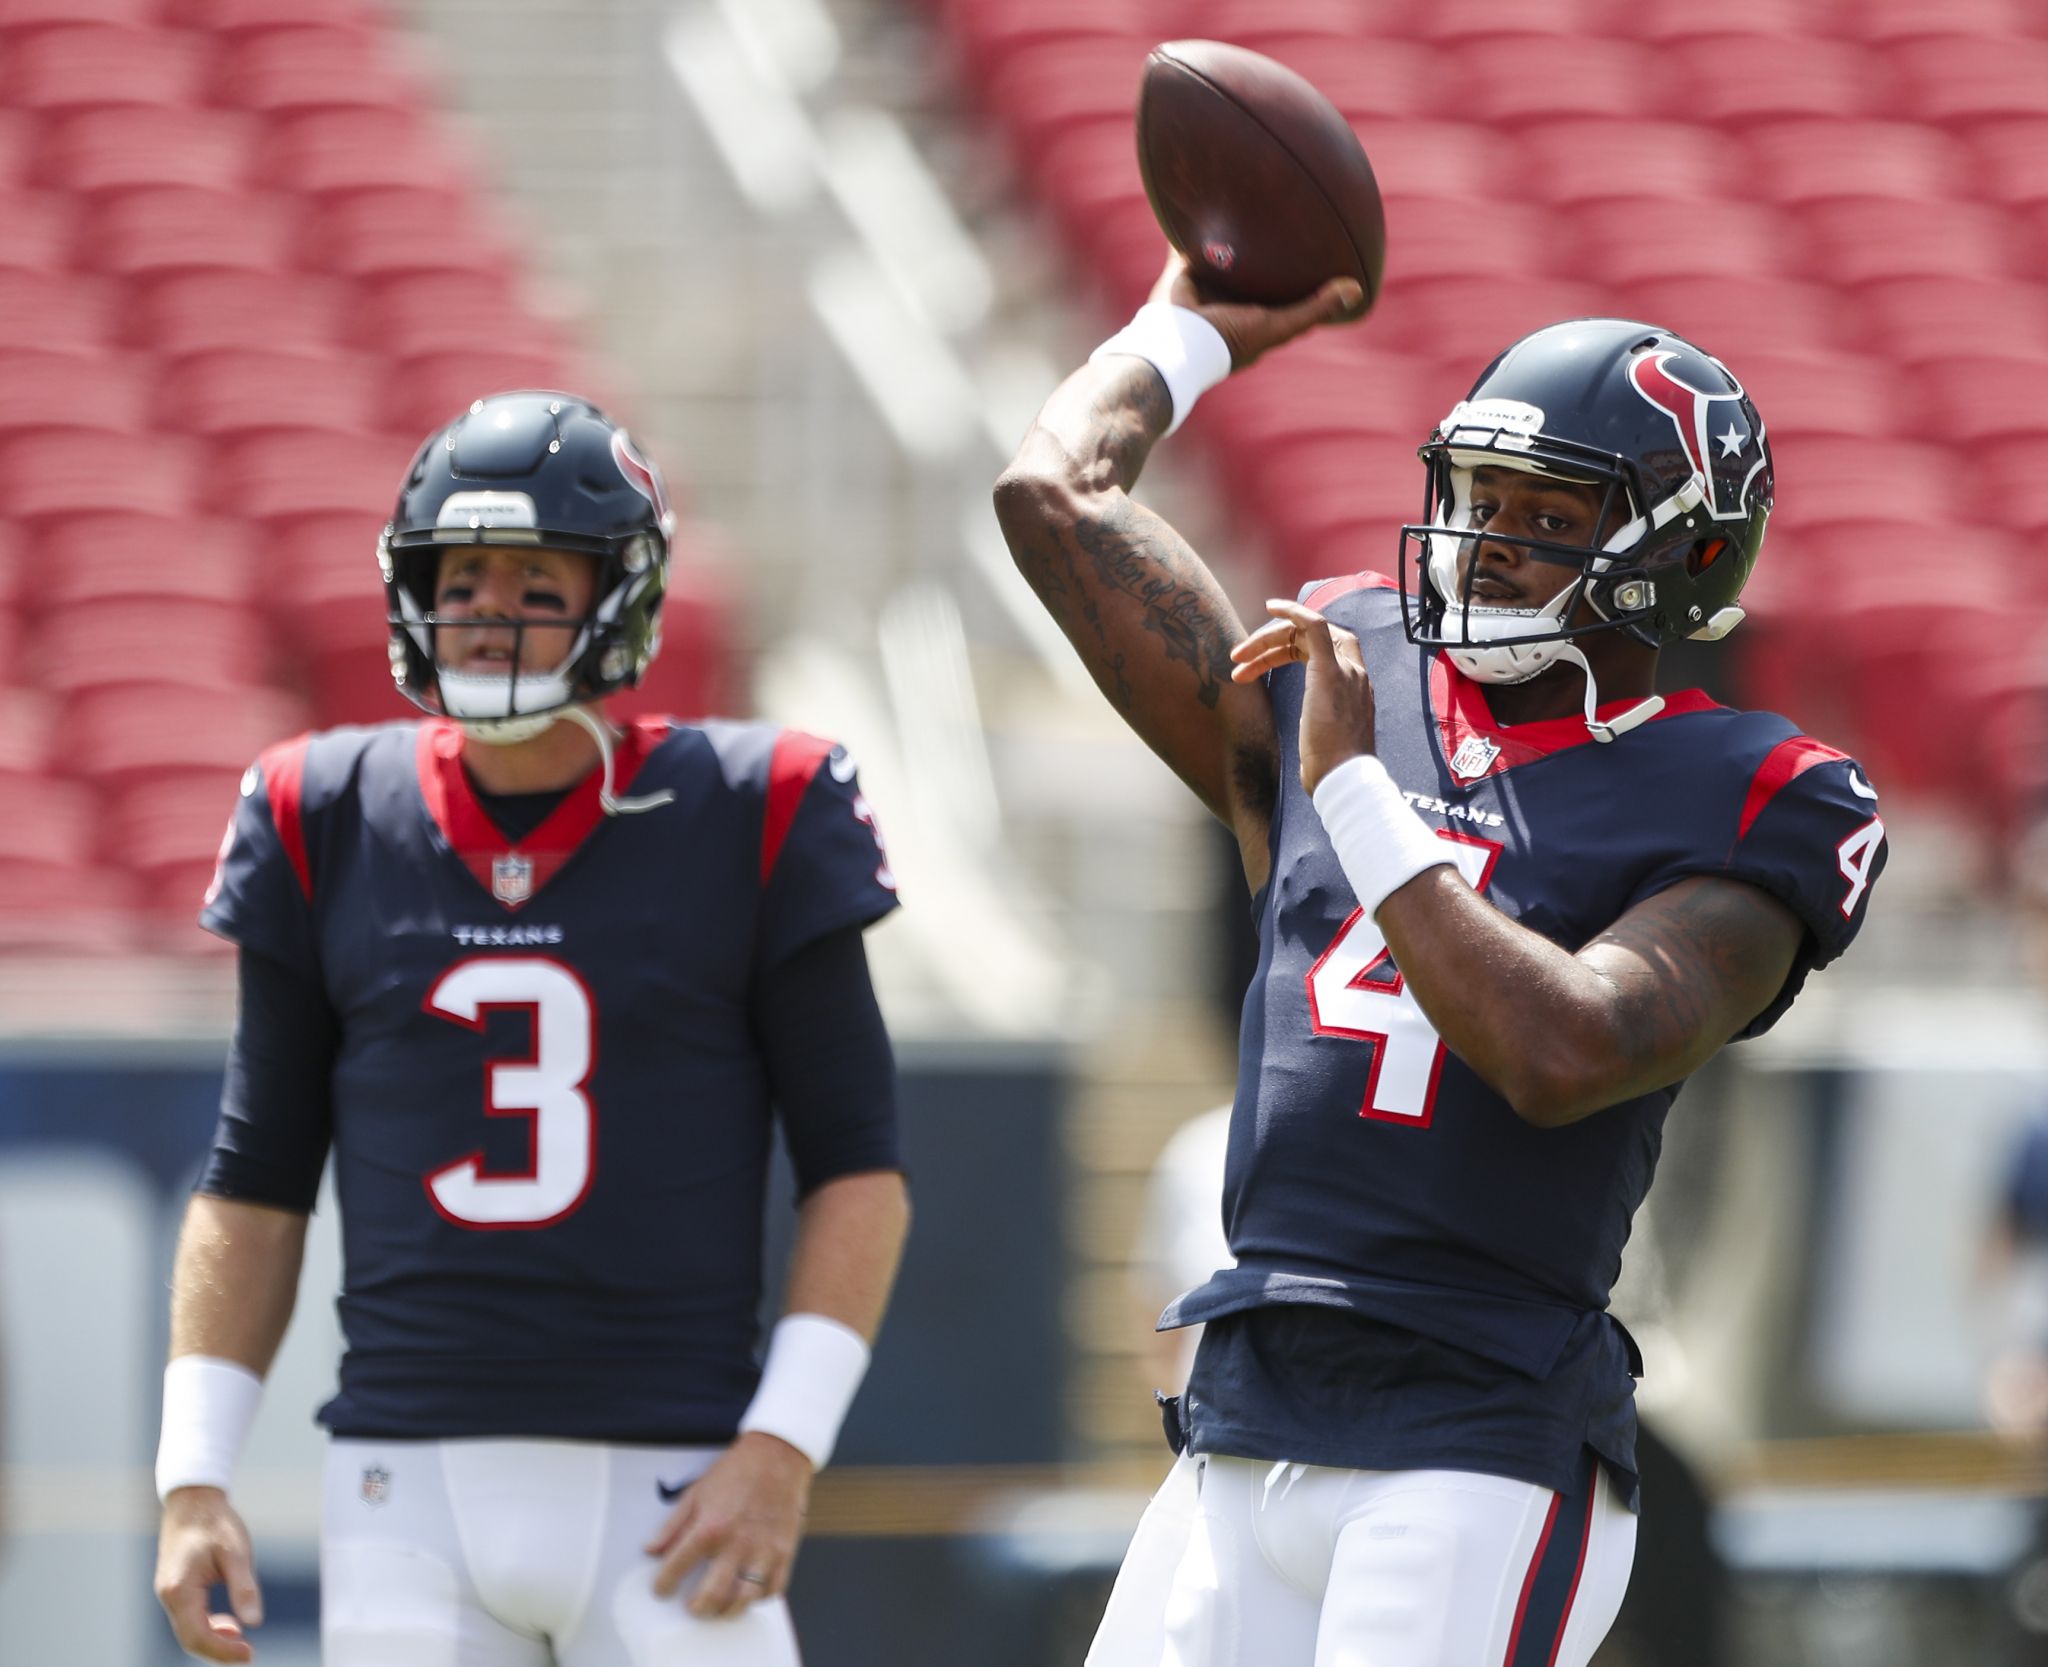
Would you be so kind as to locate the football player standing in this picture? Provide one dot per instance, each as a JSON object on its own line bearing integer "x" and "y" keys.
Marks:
{"x": 1509, "y": 899}
{"x": 541, "y": 985}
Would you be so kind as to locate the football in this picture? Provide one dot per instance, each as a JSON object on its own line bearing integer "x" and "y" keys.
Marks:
{"x": 1256, "y": 177}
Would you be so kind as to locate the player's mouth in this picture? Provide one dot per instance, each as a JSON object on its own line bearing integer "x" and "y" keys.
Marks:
{"x": 1487, "y": 588}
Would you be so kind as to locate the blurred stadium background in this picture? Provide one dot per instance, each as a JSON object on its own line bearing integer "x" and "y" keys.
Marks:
{"x": 826, "y": 256}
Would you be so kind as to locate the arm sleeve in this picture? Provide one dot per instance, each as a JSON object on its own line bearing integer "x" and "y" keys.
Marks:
{"x": 1810, "y": 835}
{"x": 830, "y": 1066}
{"x": 823, "y": 862}
{"x": 276, "y": 1108}
{"x": 262, "y": 893}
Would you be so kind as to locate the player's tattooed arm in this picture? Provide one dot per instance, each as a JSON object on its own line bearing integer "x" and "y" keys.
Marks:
{"x": 1149, "y": 620}
{"x": 1561, "y": 1035}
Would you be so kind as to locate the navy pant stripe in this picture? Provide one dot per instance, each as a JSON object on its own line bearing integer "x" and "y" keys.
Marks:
{"x": 1553, "y": 1579}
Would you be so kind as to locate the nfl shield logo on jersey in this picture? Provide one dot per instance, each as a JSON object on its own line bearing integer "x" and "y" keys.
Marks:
{"x": 512, "y": 878}
{"x": 376, "y": 1485}
{"x": 1474, "y": 758}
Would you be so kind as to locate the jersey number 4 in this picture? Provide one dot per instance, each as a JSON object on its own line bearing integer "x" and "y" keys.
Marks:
{"x": 546, "y": 1087}
{"x": 1355, "y": 992}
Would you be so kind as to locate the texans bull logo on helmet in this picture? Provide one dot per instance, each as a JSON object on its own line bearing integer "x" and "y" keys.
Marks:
{"x": 1712, "y": 429}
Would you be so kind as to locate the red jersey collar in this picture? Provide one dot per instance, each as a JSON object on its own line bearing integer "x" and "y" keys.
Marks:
{"x": 1468, "y": 732}
{"x": 512, "y": 871}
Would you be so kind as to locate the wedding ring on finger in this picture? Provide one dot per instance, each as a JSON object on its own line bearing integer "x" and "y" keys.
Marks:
{"x": 753, "y": 1577}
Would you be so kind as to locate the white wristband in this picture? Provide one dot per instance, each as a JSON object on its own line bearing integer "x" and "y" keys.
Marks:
{"x": 1381, "y": 844}
{"x": 813, "y": 1368}
{"x": 1188, "y": 351}
{"x": 209, "y": 1404}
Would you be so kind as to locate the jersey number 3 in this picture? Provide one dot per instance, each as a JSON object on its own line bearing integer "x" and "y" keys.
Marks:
{"x": 1354, "y": 991}
{"x": 545, "y": 1087}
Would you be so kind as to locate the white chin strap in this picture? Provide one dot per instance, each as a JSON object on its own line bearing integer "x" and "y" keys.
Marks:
{"x": 1488, "y": 661}
{"x": 600, "y": 732}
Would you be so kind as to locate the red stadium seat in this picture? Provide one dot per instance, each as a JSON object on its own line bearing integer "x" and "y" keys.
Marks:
{"x": 250, "y": 17}
{"x": 1819, "y": 392}
{"x": 51, "y": 821}
{"x": 174, "y": 825}
{"x": 28, "y": 720}
{"x": 2013, "y": 487}
{"x": 20, "y": 18}
{"x": 1366, "y": 79}
{"x": 443, "y": 312}
{"x": 1995, "y": 398}
{"x": 199, "y": 312}
{"x": 17, "y": 147}
{"x": 338, "y": 630}
{"x": 38, "y": 230}
{"x": 291, "y": 71}
{"x": 1968, "y": 78}
{"x": 14, "y": 660}
{"x": 1898, "y": 20}
{"x": 64, "y": 313}
{"x": 402, "y": 231}
{"x": 1630, "y": 241}
{"x": 1736, "y": 80}
{"x": 97, "y": 151}
{"x": 1666, "y": 22}
{"x": 1422, "y": 158}
{"x": 1810, "y": 159}
{"x": 1824, "y": 479}
{"x": 987, "y": 34}
{"x": 72, "y": 909}
{"x": 1506, "y": 81}
{"x": 1448, "y": 21}
{"x": 1731, "y": 316}
{"x": 324, "y": 557}
{"x": 119, "y": 557}
{"x": 1463, "y": 323}
{"x": 1917, "y": 319}
{"x": 1039, "y": 90}
{"x": 2012, "y": 158}
{"x": 240, "y": 390}
{"x": 1577, "y": 160}
{"x": 79, "y": 473}
{"x": 1435, "y": 237}
{"x": 1247, "y": 21}
{"x": 433, "y": 388}
{"x": 169, "y": 229}
{"x": 91, "y": 66}
{"x": 1305, "y": 488}
{"x": 301, "y": 473}
{"x": 211, "y": 645}
{"x": 71, "y": 390}
{"x": 1861, "y": 240}
{"x": 125, "y": 735}
{"x": 330, "y": 153}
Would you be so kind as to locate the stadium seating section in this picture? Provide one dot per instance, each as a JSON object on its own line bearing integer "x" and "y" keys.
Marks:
{"x": 245, "y": 265}
{"x": 1847, "y": 201}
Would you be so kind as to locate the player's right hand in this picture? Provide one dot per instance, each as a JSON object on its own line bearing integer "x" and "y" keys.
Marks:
{"x": 202, "y": 1543}
{"x": 1249, "y": 329}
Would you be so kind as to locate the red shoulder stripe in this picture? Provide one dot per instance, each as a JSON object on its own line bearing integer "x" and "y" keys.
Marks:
{"x": 1330, "y": 589}
{"x": 284, "y": 768}
{"x": 790, "y": 768}
{"x": 1783, "y": 764}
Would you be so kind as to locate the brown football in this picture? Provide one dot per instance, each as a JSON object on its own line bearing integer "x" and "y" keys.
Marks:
{"x": 1255, "y": 176}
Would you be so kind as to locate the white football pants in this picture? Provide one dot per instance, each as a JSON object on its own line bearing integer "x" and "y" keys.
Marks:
{"x": 1247, "y": 1563}
{"x": 515, "y": 1554}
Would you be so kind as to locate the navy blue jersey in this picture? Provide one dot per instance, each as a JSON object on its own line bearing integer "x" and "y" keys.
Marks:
{"x": 1370, "y": 1171}
{"x": 551, "y": 1119}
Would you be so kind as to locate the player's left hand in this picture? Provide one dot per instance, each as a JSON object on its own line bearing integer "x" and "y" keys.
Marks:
{"x": 741, "y": 1520}
{"x": 1336, "y": 704}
